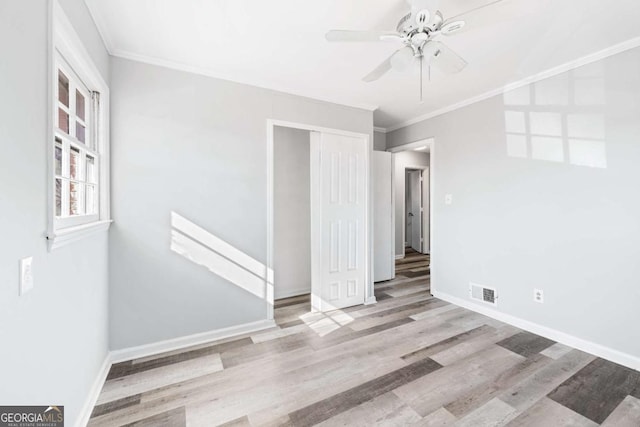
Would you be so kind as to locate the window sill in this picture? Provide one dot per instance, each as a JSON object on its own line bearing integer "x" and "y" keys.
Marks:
{"x": 69, "y": 235}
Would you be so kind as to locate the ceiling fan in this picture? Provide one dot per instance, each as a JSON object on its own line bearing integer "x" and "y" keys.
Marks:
{"x": 418, "y": 31}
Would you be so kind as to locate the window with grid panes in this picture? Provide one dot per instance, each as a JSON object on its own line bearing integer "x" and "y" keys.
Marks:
{"x": 76, "y": 153}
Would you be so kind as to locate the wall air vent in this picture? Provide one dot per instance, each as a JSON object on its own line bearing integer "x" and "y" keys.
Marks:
{"x": 483, "y": 293}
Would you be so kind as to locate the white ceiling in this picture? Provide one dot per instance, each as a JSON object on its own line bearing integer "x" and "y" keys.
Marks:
{"x": 280, "y": 44}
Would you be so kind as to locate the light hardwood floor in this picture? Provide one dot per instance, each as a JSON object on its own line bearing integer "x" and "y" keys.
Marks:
{"x": 410, "y": 359}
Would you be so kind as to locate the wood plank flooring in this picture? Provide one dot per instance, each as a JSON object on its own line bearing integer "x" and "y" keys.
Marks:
{"x": 410, "y": 359}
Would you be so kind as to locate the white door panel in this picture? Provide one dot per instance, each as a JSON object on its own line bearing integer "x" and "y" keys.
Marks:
{"x": 383, "y": 244}
{"x": 340, "y": 209}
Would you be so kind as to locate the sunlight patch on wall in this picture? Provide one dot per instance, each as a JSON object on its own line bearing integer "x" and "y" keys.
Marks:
{"x": 224, "y": 260}
{"x": 559, "y": 119}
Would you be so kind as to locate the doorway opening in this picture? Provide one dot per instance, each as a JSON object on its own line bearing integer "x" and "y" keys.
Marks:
{"x": 413, "y": 195}
{"x": 292, "y": 212}
{"x": 416, "y": 211}
{"x": 318, "y": 216}
{"x": 412, "y": 184}
{"x": 403, "y": 194}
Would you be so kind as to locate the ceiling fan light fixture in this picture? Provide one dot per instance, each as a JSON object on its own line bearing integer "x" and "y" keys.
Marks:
{"x": 418, "y": 31}
{"x": 452, "y": 27}
{"x": 430, "y": 51}
{"x": 403, "y": 58}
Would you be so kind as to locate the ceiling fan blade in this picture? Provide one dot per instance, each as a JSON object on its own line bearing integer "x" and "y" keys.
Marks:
{"x": 361, "y": 36}
{"x": 441, "y": 56}
{"x": 379, "y": 71}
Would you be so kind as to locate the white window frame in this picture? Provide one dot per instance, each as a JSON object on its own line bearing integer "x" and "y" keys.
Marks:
{"x": 70, "y": 142}
{"x": 67, "y": 53}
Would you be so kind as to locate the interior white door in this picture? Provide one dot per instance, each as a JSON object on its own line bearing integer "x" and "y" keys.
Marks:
{"x": 339, "y": 227}
{"x": 383, "y": 242}
{"x": 407, "y": 209}
{"x": 415, "y": 190}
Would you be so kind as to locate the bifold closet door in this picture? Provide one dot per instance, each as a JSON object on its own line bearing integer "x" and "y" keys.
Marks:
{"x": 338, "y": 220}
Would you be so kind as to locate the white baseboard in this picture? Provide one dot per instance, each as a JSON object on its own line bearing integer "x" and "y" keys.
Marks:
{"x": 94, "y": 392}
{"x": 156, "y": 348}
{"x": 151, "y": 349}
{"x": 370, "y": 300}
{"x": 293, "y": 293}
{"x": 399, "y": 256}
{"x": 604, "y": 352}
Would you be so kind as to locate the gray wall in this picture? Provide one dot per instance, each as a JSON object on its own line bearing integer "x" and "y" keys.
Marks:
{"x": 292, "y": 212}
{"x": 379, "y": 141}
{"x": 544, "y": 183}
{"x": 194, "y": 146}
{"x": 401, "y": 161}
{"x": 54, "y": 338}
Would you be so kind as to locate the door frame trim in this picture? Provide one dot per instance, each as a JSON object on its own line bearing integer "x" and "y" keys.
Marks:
{"x": 269, "y": 273}
{"x": 392, "y": 256}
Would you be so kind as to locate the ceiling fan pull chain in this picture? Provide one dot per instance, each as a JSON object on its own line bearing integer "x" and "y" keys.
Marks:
{"x": 421, "y": 73}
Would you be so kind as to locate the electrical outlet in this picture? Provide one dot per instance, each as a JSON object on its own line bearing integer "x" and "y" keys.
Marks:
{"x": 26, "y": 275}
{"x": 448, "y": 199}
{"x": 538, "y": 295}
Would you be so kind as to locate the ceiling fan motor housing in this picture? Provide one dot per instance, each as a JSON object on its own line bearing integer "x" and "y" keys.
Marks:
{"x": 418, "y": 31}
{"x": 407, "y": 25}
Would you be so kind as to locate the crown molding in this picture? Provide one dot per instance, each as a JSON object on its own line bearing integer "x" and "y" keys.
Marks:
{"x": 210, "y": 73}
{"x": 605, "y": 53}
{"x": 106, "y": 36}
{"x": 588, "y": 59}
{"x": 107, "y": 39}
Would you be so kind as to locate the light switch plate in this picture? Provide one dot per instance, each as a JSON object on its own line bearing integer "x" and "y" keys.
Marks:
{"x": 26, "y": 275}
{"x": 448, "y": 199}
